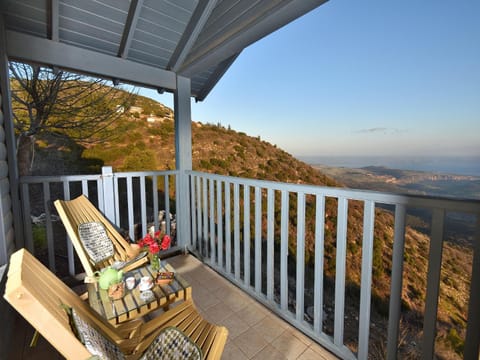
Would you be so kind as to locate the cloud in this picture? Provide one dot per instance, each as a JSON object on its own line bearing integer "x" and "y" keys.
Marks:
{"x": 376, "y": 130}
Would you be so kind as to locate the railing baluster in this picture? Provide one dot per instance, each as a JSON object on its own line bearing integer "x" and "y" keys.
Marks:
{"x": 258, "y": 240}
{"x": 284, "y": 251}
{"x": 116, "y": 197}
{"x": 300, "y": 284}
{"x": 366, "y": 282}
{"x": 199, "y": 216}
{"x": 396, "y": 282}
{"x": 85, "y": 187}
{"x": 131, "y": 222}
{"x": 319, "y": 256}
{"x": 246, "y": 235}
{"x": 156, "y": 224}
{"x": 340, "y": 270}
{"x": 220, "y": 224}
{"x": 205, "y": 218}
{"x": 211, "y": 194}
{"x": 70, "y": 254}
{"x": 143, "y": 205}
{"x": 472, "y": 338}
{"x": 48, "y": 226}
{"x": 270, "y": 249}
{"x": 433, "y": 283}
{"x": 166, "y": 186}
{"x": 228, "y": 232}
{"x": 193, "y": 211}
{"x": 236, "y": 230}
{"x": 27, "y": 221}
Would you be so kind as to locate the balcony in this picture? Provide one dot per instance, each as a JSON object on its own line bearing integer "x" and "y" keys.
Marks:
{"x": 269, "y": 244}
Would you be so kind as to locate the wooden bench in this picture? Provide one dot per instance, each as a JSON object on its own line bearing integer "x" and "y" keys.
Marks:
{"x": 37, "y": 294}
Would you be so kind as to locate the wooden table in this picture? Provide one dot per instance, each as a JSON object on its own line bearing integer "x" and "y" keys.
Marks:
{"x": 132, "y": 305}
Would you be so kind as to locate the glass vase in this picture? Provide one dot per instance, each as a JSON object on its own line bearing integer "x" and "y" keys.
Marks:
{"x": 154, "y": 262}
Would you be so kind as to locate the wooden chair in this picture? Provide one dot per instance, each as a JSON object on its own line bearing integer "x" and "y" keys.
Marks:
{"x": 80, "y": 210}
{"x": 40, "y": 297}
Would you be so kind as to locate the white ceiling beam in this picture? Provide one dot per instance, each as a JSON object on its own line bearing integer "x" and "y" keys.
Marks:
{"x": 30, "y": 48}
{"x": 221, "y": 49}
{"x": 197, "y": 22}
{"x": 130, "y": 26}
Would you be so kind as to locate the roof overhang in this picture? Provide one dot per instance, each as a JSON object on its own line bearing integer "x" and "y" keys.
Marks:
{"x": 143, "y": 42}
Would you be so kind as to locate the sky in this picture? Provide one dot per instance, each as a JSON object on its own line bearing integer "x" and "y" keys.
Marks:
{"x": 359, "y": 78}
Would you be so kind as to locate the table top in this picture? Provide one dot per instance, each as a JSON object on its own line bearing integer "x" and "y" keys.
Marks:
{"x": 132, "y": 305}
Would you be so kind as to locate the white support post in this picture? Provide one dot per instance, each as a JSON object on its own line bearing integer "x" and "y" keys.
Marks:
{"x": 183, "y": 157}
{"x": 108, "y": 194}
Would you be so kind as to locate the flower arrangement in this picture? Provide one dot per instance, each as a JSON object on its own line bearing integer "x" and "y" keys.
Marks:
{"x": 154, "y": 244}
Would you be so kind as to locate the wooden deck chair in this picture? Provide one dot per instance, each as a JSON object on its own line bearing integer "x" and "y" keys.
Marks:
{"x": 80, "y": 217}
{"x": 41, "y": 298}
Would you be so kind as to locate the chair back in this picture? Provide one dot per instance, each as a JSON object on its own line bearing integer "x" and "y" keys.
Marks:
{"x": 80, "y": 211}
{"x": 38, "y": 295}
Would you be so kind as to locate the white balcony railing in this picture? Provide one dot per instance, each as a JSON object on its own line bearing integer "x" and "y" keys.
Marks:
{"x": 131, "y": 200}
{"x": 245, "y": 229}
{"x": 292, "y": 247}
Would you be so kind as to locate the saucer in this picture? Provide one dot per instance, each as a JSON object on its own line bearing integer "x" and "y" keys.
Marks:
{"x": 146, "y": 295}
{"x": 143, "y": 287}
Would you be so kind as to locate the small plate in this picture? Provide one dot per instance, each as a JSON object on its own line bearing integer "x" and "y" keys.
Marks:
{"x": 141, "y": 287}
{"x": 146, "y": 295}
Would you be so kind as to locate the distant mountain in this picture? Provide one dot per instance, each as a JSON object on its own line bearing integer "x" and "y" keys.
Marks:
{"x": 144, "y": 140}
{"x": 381, "y": 178}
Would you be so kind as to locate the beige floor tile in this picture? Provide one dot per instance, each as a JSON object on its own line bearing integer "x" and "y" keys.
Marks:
{"x": 301, "y": 336}
{"x": 217, "y": 313}
{"x": 270, "y": 327}
{"x": 235, "y": 326}
{"x": 232, "y": 352}
{"x": 309, "y": 354}
{"x": 252, "y": 313}
{"x": 203, "y": 298}
{"x": 290, "y": 346}
{"x": 269, "y": 353}
{"x": 233, "y": 298}
{"x": 325, "y": 354}
{"x": 250, "y": 342}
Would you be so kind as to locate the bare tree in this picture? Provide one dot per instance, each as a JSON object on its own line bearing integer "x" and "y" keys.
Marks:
{"x": 61, "y": 104}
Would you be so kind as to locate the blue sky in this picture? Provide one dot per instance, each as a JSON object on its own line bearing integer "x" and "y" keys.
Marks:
{"x": 354, "y": 78}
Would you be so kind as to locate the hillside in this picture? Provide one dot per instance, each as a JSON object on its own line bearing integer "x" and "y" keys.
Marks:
{"x": 144, "y": 140}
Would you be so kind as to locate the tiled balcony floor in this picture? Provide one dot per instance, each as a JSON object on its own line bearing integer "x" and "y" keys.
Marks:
{"x": 254, "y": 331}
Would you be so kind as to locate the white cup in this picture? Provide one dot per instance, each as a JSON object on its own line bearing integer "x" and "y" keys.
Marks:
{"x": 146, "y": 282}
{"x": 130, "y": 281}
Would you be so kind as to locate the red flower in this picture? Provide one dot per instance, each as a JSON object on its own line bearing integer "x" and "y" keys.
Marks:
{"x": 154, "y": 248}
{"x": 154, "y": 244}
{"x": 165, "y": 242}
